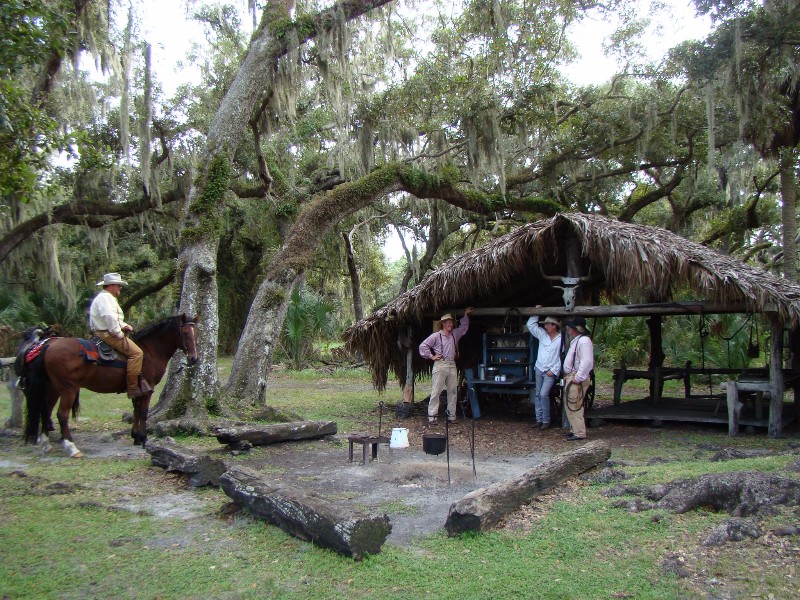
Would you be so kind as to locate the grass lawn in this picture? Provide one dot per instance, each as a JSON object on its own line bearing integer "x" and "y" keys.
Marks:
{"x": 63, "y": 533}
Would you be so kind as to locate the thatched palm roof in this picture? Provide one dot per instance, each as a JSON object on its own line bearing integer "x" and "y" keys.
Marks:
{"x": 636, "y": 263}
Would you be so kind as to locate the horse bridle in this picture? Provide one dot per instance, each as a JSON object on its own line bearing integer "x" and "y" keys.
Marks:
{"x": 183, "y": 335}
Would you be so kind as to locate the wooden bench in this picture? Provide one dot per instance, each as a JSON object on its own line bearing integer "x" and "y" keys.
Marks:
{"x": 659, "y": 375}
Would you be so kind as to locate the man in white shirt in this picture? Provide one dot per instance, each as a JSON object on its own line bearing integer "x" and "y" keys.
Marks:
{"x": 578, "y": 366}
{"x": 107, "y": 322}
{"x": 547, "y": 367}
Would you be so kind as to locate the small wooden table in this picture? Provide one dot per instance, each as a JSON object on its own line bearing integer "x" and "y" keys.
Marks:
{"x": 366, "y": 441}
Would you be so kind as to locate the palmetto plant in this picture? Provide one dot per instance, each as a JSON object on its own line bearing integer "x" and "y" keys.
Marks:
{"x": 307, "y": 319}
{"x": 20, "y": 310}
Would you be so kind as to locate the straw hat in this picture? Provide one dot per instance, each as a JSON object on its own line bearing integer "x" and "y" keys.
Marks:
{"x": 553, "y": 321}
{"x": 112, "y": 279}
{"x": 447, "y": 317}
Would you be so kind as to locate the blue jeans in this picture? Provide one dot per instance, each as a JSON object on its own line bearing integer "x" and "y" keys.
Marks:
{"x": 541, "y": 401}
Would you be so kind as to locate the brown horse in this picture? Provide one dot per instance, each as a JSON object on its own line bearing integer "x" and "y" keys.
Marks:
{"x": 61, "y": 370}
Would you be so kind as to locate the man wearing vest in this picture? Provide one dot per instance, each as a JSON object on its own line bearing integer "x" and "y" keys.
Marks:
{"x": 442, "y": 348}
{"x": 578, "y": 366}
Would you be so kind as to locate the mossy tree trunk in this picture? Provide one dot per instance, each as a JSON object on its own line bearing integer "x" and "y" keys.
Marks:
{"x": 788, "y": 165}
{"x": 196, "y": 390}
{"x": 248, "y": 380}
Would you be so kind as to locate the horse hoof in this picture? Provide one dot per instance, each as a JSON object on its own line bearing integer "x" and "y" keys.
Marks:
{"x": 78, "y": 454}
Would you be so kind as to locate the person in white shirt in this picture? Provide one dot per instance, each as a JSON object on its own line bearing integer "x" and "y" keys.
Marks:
{"x": 107, "y": 322}
{"x": 442, "y": 348}
{"x": 578, "y": 366}
{"x": 547, "y": 367}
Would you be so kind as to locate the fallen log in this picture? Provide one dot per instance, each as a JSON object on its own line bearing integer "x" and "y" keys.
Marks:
{"x": 262, "y": 435}
{"x": 482, "y": 509}
{"x": 201, "y": 469}
{"x": 305, "y": 515}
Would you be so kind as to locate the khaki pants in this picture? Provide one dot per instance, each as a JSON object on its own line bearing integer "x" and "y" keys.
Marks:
{"x": 135, "y": 357}
{"x": 574, "y": 402}
{"x": 445, "y": 377}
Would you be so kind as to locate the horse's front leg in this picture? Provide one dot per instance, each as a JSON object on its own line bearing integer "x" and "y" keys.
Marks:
{"x": 141, "y": 407}
{"x": 67, "y": 400}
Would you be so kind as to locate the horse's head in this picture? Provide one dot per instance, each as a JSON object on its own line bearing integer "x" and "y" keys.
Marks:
{"x": 189, "y": 337}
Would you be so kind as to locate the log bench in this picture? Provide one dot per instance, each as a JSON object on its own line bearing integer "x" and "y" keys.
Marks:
{"x": 484, "y": 508}
{"x": 305, "y": 515}
{"x": 275, "y": 433}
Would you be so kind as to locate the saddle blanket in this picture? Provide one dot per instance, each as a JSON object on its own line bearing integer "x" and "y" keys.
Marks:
{"x": 90, "y": 354}
{"x": 35, "y": 350}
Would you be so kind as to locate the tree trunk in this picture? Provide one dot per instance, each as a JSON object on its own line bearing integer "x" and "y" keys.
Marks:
{"x": 248, "y": 380}
{"x": 197, "y": 388}
{"x": 355, "y": 280}
{"x": 789, "y": 212}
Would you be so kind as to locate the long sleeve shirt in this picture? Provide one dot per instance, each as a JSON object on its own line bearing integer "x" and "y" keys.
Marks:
{"x": 441, "y": 343}
{"x": 548, "y": 358}
{"x": 105, "y": 314}
{"x": 580, "y": 358}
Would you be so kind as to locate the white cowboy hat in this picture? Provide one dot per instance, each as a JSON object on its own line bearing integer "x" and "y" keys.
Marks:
{"x": 553, "y": 321}
{"x": 112, "y": 279}
{"x": 447, "y": 317}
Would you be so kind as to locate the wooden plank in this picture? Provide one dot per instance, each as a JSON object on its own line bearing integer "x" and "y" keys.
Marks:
{"x": 621, "y": 310}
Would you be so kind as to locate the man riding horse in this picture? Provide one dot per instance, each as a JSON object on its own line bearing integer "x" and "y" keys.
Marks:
{"x": 107, "y": 322}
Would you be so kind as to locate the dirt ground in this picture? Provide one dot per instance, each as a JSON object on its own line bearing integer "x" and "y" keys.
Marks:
{"x": 416, "y": 489}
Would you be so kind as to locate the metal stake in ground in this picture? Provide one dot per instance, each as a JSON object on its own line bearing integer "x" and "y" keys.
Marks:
{"x": 472, "y": 447}
{"x": 447, "y": 442}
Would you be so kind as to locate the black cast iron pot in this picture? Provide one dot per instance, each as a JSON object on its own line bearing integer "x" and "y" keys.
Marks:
{"x": 434, "y": 443}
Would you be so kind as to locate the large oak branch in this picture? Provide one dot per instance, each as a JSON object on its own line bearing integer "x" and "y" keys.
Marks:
{"x": 86, "y": 213}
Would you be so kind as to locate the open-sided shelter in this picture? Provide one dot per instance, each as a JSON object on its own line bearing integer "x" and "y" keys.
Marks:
{"x": 602, "y": 266}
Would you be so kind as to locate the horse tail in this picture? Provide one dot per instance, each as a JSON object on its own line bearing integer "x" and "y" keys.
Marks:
{"x": 76, "y": 407}
{"x": 35, "y": 398}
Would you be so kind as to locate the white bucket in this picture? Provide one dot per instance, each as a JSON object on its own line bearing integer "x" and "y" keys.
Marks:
{"x": 399, "y": 438}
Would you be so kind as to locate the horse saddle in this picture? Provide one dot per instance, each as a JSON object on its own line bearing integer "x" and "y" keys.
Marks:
{"x": 97, "y": 351}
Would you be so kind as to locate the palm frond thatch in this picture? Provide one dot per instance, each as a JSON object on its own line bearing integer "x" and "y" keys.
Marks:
{"x": 637, "y": 263}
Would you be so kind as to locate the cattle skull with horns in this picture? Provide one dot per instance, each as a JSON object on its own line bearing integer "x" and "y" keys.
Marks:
{"x": 569, "y": 286}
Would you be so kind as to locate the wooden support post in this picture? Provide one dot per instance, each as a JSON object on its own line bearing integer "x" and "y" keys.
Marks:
{"x": 734, "y": 408}
{"x": 408, "y": 388}
{"x": 619, "y": 381}
{"x": 776, "y": 378}
{"x": 654, "y": 323}
{"x": 687, "y": 380}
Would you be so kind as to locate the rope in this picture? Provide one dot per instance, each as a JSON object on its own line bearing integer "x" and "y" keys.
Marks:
{"x": 703, "y": 331}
